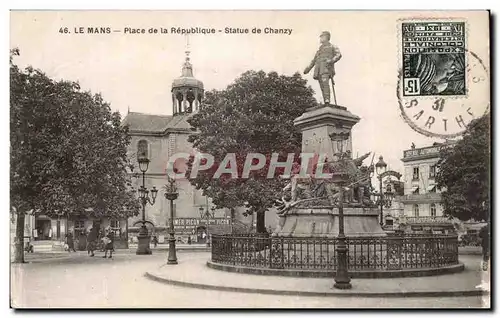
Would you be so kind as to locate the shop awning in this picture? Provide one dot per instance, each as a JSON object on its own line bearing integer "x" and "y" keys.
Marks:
{"x": 414, "y": 189}
{"x": 431, "y": 188}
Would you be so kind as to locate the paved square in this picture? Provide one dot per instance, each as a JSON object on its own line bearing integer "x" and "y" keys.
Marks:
{"x": 84, "y": 282}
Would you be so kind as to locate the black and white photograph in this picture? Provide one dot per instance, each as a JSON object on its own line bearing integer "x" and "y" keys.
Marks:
{"x": 249, "y": 159}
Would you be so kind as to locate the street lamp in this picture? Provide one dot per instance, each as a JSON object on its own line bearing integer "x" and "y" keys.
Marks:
{"x": 205, "y": 214}
{"x": 143, "y": 237}
{"x": 340, "y": 177}
{"x": 380, "y": 168}
{"x": 171, "y": 194}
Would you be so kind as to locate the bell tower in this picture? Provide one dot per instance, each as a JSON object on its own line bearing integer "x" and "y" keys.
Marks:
{"x": 187, "y": 91}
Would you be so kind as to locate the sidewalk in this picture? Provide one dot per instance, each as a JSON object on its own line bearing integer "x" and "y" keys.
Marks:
{"x": 161, "y": 248}
{"x": 132, "y": 247}
{"x": 193, "y": 272}
{"x": 470, "y": 250}
{"x": 178, "y": 246}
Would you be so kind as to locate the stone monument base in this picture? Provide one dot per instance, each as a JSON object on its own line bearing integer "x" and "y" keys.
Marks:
{"x": 324, "y": 222}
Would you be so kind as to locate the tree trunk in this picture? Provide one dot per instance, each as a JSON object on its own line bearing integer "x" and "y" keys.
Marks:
{"x": 261, "y": 221}
{"x": 19, "y": 240}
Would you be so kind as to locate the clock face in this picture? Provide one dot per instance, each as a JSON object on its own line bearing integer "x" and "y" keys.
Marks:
{"x": 447, "y": 116}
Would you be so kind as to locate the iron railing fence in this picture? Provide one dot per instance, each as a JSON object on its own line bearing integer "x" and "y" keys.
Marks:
{"x": 393, "y": 252}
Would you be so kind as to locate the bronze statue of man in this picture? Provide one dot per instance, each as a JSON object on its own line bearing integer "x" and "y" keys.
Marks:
{"x": 323, "y": 62}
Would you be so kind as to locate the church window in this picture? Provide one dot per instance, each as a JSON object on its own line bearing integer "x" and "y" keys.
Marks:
{"x": 142, "y": 149}
{"x": 190, "y": 99}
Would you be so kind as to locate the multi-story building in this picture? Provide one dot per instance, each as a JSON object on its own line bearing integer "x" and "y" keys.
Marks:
{"x": 422, "y": 200}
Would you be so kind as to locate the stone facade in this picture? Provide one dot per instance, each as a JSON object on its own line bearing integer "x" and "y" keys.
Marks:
{"x": 422, "y": 199}
{"x": 420, "y": 185}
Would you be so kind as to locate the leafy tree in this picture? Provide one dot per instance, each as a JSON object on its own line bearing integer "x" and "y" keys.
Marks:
{"x": 464, "y": 173}
{"x": 68, "y": 152}
{"x": 253, "y": 115}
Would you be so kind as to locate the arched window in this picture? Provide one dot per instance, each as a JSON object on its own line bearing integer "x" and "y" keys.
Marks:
{"x": 180, "y": 99}
{"x": 190, "y": 99}
{"x": 415, "y": 210}
{"x": 433, "y": 209}
{"x": 142, "y": 149}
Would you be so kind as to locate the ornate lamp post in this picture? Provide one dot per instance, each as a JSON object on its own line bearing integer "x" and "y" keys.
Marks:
{"x": 144, "y": 237}
{"x": 380, "y": 168}
{"x": 205, "y": 214}
{"x": 340, "y": 177}
{"x": 171, "y": 194}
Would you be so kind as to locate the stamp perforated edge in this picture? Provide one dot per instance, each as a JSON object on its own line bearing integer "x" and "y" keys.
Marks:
{"x": 399, "y": 23}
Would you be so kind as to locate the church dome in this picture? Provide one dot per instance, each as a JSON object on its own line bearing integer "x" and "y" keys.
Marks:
{"x": 187, "y": 91}
{"x": 187, "y": 79}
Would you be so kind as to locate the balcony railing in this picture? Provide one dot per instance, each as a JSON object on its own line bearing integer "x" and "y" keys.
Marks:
{"x": 425, "y": 219}
{"x": 425, "y": 151}
{"x": 425, "y": 197}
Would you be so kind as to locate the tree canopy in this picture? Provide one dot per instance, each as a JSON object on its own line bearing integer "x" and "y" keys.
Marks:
{"x": 67, "y": 149}
{"x": 253, "y": 115}
{"x": 464, "y": 173}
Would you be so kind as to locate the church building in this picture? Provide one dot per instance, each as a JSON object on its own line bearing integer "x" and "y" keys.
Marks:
{"x": 159, "y": 137}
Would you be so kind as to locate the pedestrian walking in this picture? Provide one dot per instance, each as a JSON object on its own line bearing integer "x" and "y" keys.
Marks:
{"x": 484, "y": 234}
{"x": 92, "y": 240}
{"x": 101, "y": 245}
{"x": 70, "y": 242}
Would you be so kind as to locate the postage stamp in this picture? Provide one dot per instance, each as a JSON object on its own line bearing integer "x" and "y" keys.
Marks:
{"x": 434, "y": 58}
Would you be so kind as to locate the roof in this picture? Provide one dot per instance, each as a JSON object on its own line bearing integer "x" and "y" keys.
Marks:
{"x": 148, "y": 123}
{"x": 187, "y": 82}
{"x": 187, "y": 78}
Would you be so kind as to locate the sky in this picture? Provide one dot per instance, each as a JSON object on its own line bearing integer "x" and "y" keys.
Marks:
{"x": 135, "y": 71}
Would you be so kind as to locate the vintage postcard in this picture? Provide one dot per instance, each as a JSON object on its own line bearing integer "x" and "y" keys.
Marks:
{"x": 250, "y": 159}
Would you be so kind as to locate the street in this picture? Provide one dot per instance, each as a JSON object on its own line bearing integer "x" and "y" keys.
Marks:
{"x": 83, "y": 282}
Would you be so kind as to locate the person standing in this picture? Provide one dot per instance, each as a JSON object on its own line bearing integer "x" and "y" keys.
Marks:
{"x": 92, "y": 240}
{"x": 108, "y": 244}
{"x": 484, "y": 234}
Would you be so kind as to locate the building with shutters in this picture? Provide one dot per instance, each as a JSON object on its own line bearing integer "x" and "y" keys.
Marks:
{"x": 422, "y": 200}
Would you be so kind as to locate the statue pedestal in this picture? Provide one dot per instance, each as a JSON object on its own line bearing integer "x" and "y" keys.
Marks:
{"x": 319, "y": 122}
{"x": 324, "y": 222}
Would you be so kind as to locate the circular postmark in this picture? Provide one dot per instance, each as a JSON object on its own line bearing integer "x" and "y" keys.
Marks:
{"x": 446, "y": 115}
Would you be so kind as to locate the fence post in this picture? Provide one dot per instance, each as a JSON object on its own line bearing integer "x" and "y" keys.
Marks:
{"x": 271, "y": 252}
